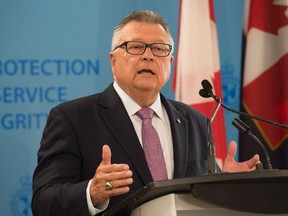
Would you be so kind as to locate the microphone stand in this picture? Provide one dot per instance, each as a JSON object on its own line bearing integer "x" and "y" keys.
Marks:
{"x": 211, "y": 157}
{"x": 254, "y": 117}
{"x": 245, "y": 129}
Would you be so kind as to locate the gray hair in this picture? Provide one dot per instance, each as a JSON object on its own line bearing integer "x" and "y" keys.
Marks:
{"x": 140, "y": 16}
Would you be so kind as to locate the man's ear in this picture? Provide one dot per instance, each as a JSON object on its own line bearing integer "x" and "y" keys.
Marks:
{"x": 172, "y": 60}
{"x": 112, "y": 58}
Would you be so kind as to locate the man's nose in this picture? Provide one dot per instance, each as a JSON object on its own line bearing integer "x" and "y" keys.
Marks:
{"x": 148, "y": 53}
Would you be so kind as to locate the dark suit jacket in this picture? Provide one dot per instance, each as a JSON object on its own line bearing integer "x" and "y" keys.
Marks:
{"x": 71, "y": 150}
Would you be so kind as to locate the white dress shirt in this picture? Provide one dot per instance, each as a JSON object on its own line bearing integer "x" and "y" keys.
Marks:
{"x": 162, "y": 125}
{"x": 160, "y": 121}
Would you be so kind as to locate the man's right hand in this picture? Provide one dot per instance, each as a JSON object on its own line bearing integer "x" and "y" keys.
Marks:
{"x": 119, "y": 176}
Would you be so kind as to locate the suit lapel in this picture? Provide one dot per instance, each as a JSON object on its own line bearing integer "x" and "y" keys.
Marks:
{"x": 179, "y": 128}
{"x": 117, "y": 119}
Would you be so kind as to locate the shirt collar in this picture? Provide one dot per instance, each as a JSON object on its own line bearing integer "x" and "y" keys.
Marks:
{"x": 132, "y": 107}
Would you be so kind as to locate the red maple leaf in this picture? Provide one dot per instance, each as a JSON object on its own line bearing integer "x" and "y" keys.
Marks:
{"x": 269, "y": 17}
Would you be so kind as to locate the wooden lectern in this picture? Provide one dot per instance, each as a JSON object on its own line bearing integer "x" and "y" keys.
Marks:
{"x": 249, "y": 193}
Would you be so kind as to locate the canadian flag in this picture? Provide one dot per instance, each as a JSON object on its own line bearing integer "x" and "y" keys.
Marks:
{"x": 265, "y": 79}
{"x": 197, "y": 59}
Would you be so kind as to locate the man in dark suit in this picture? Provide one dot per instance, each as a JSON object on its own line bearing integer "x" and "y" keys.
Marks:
{"x": 91, "y": 155}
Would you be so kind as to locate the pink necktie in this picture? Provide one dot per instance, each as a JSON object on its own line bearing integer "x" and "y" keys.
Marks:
{"x": 152, "y": 146}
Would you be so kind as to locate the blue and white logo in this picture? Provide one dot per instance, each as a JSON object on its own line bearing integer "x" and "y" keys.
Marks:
{"x": 230, "y": 85}
{"x": 21, "y": 200}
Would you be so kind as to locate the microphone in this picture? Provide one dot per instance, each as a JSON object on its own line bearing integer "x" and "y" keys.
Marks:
{"x": 245, "y": 129}
{"x": 211, "y": 157}
{"x": 207, "y": 92}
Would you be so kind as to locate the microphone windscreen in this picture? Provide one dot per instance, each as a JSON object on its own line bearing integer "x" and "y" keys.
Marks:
{"x": 204, "y": 93}
{"x": 206, "y": 84}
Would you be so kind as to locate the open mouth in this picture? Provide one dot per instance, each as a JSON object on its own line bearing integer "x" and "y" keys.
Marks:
{"x": 146, "y": 71}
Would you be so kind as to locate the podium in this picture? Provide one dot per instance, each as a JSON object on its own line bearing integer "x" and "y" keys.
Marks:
{"x": 249, "y": 193}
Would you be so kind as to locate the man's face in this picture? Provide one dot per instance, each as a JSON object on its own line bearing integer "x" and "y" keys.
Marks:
{"x": 141, "y": 73}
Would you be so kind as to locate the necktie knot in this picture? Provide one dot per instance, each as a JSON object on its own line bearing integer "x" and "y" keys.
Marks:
{"x": 145, "y": 113}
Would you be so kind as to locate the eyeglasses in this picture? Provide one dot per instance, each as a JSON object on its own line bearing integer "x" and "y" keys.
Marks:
{"x": 138, "y": 48}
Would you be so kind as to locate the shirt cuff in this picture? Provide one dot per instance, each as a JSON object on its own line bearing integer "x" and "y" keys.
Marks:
{"x": 91, "y": 208}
